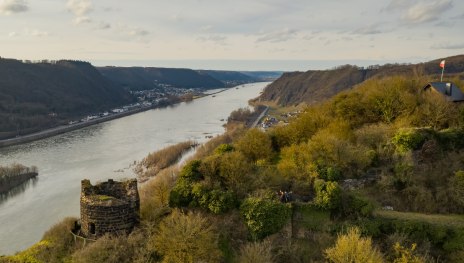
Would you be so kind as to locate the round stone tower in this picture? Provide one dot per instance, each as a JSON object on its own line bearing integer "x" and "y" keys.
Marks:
{"x": 109, "y": 207}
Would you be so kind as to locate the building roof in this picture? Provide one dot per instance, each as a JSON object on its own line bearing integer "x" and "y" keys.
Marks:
{"x": 449, "y": 90}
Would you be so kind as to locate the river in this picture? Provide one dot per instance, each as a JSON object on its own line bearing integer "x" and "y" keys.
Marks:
{"x": 98, "y": 153}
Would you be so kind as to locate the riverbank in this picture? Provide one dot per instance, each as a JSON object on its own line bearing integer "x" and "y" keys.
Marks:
{"x": 71, "y": 127}
{"x": 67, "y": 128}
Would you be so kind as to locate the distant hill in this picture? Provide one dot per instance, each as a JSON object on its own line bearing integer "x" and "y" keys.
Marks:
{"x": 140, "y": 78}
{"x": 34, "y": 96}
{"x": 229, "y": 78}
{"x": 263, "y": 75}
{"x": 317, "y": 85}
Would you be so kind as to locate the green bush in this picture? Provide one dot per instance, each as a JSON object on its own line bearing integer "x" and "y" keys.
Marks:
{"x": 223, "y": 148}
{"x": 264, "y": 216}
{"x": 406, "y": 140}
{"x": 355, "y": 206}
{"x": 328, "y": 194}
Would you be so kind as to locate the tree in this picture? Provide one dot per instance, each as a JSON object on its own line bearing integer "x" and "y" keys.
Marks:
{"x": 352, "y": 248}
{"x": 264, "y": 216}
{"x": 328, "y": 194}
{"x": 255, "y": 145}
{"x": 186, "y": 238}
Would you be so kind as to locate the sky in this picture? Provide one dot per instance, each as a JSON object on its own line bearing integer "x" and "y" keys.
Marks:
{"x": 235, "y": 35}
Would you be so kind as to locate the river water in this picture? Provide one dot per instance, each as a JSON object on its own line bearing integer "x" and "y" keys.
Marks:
{"x": 98, "y": 153}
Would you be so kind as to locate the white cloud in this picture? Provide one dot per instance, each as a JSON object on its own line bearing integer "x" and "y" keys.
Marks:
{"x": 82, "y": 20}
{"x": 12, "y": 34}
{"x": 426, "y": 12}
{"x": 277, "y": 36}
{"x": 79, "y": 7}
{"x": 8, "y": 7}
{"x": 138, "y": 32}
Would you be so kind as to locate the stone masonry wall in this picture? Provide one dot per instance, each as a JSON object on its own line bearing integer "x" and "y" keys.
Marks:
{"x": 109, "y": 207}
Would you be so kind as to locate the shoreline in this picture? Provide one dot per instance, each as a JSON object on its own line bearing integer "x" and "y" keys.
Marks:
{"x": 72, "y": 127}
{"x": 67, "y": 128}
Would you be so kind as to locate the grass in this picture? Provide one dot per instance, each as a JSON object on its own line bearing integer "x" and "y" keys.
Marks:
{"x": 433, "y": 219}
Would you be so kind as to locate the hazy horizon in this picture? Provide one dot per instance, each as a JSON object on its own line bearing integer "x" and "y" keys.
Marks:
{"x": 316, "y": 34}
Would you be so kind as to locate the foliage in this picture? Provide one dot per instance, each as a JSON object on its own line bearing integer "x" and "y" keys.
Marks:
{"x": 351, "y": 247}
{"x": 256, "y": 252}
{"x": 356, "y": 206}
{"x": 406, "y": 255}
{"x": 186, "y": 238}
{"x": 223, "y": 148}
{"x": 155, "y": 162}
{"x": 264, "y": 216}
{"x": 406, "y": 140}
{"x": 255, "y": 145}
{"x": 328, "y": 194}
{"x": 56, "y": 245}
{"x": 110, "y": 249}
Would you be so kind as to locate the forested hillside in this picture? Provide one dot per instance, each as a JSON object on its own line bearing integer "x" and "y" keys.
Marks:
{"x": 318, "y": 85}
{"x": 373, "y": 174}
{"x": 35, "y": 96}
{"x": 139, "y": 78}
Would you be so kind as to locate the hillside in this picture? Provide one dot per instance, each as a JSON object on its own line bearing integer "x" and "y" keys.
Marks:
{"x": 229, "y": 78}
{"x": 359, "y": 163}
{"x": 34, "y": 96}
{"x": 318, "y": 85}
{"x": 139, "y": 78}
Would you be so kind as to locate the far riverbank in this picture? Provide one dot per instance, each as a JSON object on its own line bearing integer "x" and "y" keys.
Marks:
{"x": 72, "y": 127}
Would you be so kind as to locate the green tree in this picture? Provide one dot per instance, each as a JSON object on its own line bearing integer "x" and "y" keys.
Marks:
{"x": 235, "y": 171}
{"x": 186, "y": 238}
{"x": 255, "y": 145}
{"x": 328, "y": 194}
{"x": 352, "y": 248}
{"x": 264, "y": 216}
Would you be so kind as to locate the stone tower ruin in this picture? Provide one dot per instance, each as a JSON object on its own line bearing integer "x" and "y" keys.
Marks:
{"x": 109, "y": 207}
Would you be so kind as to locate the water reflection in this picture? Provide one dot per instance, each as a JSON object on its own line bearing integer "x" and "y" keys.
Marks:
{"x": 18, "y": 189}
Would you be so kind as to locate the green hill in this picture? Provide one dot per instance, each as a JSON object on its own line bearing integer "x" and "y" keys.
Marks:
{"x": 139, "y": 78}
{"x": 34, "y": 96}
{"x": 314, "y": 86}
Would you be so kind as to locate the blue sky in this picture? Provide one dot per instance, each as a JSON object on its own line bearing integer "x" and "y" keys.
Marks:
{"x": 239, "y": 34}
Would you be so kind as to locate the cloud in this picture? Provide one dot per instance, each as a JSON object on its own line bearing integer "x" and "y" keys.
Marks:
{"x": 277, "y": 36}
{"x": 368, "y": 30}
{"x": 82, "y": 20}
{"x": 138, "y": 32}
{"x": 8, "y": 7}
{"x": 103, "y": 25}
{"x": 79, "y": 7}
{"x": 37, "y": 33}
{"x": 217, "y": 39}
{"x": 399, "y": 4}
{"x": 448, "y": 46}
{"x": 426, "y": 12}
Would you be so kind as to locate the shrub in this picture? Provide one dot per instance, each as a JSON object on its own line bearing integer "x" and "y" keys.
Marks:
{"x": 406, "y": 140}
{"x": 355, "y": 206}
{"x": 264, "y": 216}
{"x": 223, "y": 148}
{"x": 351, "y": 247}
{"x": 328, "y": 194}
{"x": 255, "y": 145}
{"x": 256, "y": 252}
{"x": 186, "y": 238}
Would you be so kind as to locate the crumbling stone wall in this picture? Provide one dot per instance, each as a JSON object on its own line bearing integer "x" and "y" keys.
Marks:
{"x": 109, "y": 207}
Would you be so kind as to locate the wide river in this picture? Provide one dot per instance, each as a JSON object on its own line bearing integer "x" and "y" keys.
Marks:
{"x": 98, "y": 153}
